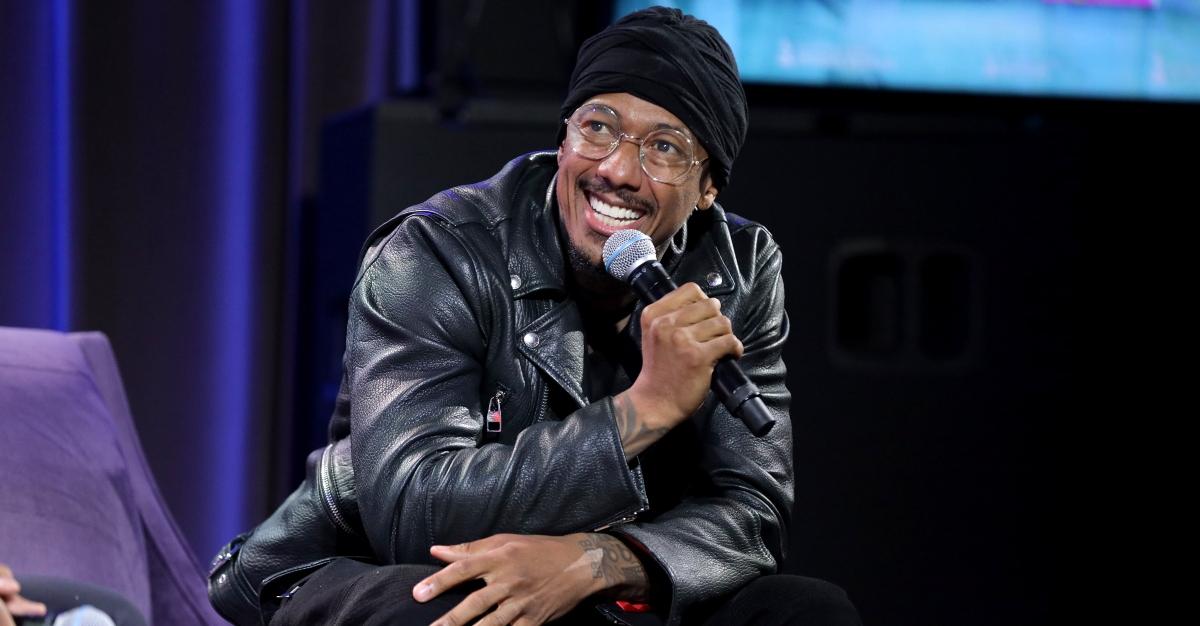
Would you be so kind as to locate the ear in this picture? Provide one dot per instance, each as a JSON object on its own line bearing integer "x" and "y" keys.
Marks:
{"x": 708, "y": 194}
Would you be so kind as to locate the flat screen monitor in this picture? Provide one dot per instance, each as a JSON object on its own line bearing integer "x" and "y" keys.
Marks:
{"x": 1113, "y": 49}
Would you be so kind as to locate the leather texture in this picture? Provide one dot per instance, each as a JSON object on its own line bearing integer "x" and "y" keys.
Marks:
{"x": 317, "y": 523}
{"x": 461, "y": 300}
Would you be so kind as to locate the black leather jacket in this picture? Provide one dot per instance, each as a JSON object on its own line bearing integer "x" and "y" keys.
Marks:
{"x": 460, "y": 301}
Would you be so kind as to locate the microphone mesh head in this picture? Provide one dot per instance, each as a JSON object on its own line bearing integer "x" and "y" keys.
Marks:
{"x": 86, "y": 615}
{"x": 625, "y": 250}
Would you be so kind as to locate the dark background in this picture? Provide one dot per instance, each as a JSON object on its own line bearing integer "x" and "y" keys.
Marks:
{"x": 196, "y": 180}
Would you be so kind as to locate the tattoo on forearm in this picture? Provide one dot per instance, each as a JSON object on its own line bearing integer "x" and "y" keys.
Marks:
{"x": 615, "y": 564}
{"x": 633, "y": 430}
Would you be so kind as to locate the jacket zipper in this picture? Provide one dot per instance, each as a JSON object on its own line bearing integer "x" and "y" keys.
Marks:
{"x": 494, "y": 419}
{"x": 541, "y": 412}
{"x": 621, "y": 520}
{"x": 326, "y": 482}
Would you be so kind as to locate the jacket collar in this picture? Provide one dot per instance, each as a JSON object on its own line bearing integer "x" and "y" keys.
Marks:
{"x": 553, "y": 340}
{"x": 535, "y": 252}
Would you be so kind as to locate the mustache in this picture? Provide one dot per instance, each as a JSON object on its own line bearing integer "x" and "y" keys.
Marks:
{"x": 596, "y": 185}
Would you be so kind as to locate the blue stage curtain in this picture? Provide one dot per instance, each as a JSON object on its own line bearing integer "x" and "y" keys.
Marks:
{"x": 154, "y": 158}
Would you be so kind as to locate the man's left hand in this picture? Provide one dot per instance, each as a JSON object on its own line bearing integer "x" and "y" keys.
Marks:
{"x": 529, "y": 579}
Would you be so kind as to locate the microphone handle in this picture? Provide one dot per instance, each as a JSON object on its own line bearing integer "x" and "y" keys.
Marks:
{"x": 740, "y": 396}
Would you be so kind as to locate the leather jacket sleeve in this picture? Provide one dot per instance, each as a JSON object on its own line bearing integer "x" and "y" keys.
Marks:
{"x": 735, "y": 526}
{"x": 420, "y": 320}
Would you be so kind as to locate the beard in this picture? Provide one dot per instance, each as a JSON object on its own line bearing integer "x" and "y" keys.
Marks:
{"x": 592, "y": 278}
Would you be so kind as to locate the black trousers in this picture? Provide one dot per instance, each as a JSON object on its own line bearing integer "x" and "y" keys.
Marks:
{"x": 348, "y": 592}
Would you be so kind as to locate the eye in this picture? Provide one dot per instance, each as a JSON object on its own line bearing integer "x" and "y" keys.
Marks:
{"x": 664, "y": 146}
{"x": 597, "y": 127}
{"x": 597, "y": 123}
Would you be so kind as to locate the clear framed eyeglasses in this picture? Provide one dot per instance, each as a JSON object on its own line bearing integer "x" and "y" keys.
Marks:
{"x": 666, "y": 155}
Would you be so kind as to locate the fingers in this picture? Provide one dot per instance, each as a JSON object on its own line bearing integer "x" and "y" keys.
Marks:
{"x": 523, "y": 577}
{"x": 460, "y": 551}
{"x": 461, "y": 567}
{"x": 473, "y": 606}
{"x": 686, "y": 294}
{"x": 725, "y": 345}
{"x": 26, "y": 608}
{"x": 685, "y": 306}
{"x": 450, "y": 554}
{"x": 11, "y": 603}
{"x": 684, "y": 314}
{"x": 697, "y": 311}
{"x": 700, "y": 322}
{"x": 509, "y": 612}
{"x": 710, "y": 328}
{"x": 448, "y": 577}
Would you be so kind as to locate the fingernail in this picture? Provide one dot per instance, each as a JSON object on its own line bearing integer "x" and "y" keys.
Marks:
{"x": 423, "y": 591}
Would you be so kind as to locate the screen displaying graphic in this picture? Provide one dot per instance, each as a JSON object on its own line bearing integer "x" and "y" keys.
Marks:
{"x": 1127, "y": 49}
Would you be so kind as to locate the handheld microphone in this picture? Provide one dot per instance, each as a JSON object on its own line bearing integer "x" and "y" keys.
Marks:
{"x": 629, "y": 256}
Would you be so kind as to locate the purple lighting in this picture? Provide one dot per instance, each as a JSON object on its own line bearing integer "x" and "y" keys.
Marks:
{"x": 60, "y": 166}
{"x": 231, "y": 298}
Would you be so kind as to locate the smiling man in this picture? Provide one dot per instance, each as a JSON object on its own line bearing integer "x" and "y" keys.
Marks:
{"x": 530, "y": 443}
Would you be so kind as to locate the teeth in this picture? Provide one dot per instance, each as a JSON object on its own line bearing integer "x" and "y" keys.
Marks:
{"x": 612, "y": 215}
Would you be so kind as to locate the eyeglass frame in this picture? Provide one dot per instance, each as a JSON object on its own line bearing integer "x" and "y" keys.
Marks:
{"x": 640, "y": 142}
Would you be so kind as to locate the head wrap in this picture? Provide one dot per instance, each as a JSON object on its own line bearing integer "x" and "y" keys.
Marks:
{"x": 677, "y": 62}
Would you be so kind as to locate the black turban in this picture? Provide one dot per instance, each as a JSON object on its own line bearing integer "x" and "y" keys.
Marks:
{"x": 677, "y": 62}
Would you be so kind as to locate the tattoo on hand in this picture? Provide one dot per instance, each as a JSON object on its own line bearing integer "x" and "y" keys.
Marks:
{"x": 615, "y": 564}
{"x": 633, "y": 430}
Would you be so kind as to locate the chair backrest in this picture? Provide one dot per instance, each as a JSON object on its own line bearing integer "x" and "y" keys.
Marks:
{"x": 77, "y": 498}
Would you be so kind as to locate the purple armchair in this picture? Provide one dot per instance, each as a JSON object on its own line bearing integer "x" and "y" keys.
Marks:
{"x": 77, "y": 499}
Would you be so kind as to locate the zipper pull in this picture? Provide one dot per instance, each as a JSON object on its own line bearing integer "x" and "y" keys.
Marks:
{"x": 494, "y": 417}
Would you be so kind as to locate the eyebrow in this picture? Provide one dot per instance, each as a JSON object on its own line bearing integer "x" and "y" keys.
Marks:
{"x": 659, "y": 126}
{"x": 664, "y": 125}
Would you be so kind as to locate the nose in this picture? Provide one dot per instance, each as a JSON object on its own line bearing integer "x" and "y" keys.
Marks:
{"x": 623, "y": 168}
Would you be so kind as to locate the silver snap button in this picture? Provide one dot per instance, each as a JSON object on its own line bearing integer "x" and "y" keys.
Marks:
{"x": 221, "y": 579}
{"x": 714, "y": 279}
{"x": 515, "y": 281}
{"x": 532, "y": 340}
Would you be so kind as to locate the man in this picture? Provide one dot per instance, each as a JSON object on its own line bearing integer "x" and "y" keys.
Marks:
{"x": 516, "y": 415}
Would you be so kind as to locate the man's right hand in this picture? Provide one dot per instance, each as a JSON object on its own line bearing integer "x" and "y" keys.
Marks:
{"x": 683, "y": 336}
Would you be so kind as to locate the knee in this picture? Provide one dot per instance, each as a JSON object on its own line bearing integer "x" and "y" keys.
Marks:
{"x": 805, "y": 600}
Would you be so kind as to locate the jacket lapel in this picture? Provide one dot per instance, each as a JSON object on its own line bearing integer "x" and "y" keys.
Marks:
{"x": 554, "y": 343}
{"x": 553, "y": 338}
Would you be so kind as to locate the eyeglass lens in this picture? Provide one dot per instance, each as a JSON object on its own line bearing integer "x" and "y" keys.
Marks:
{"x": 665, "y": 154}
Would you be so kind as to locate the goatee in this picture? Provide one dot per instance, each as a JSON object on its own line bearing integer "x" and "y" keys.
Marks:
{"x": 591, "y": 276}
